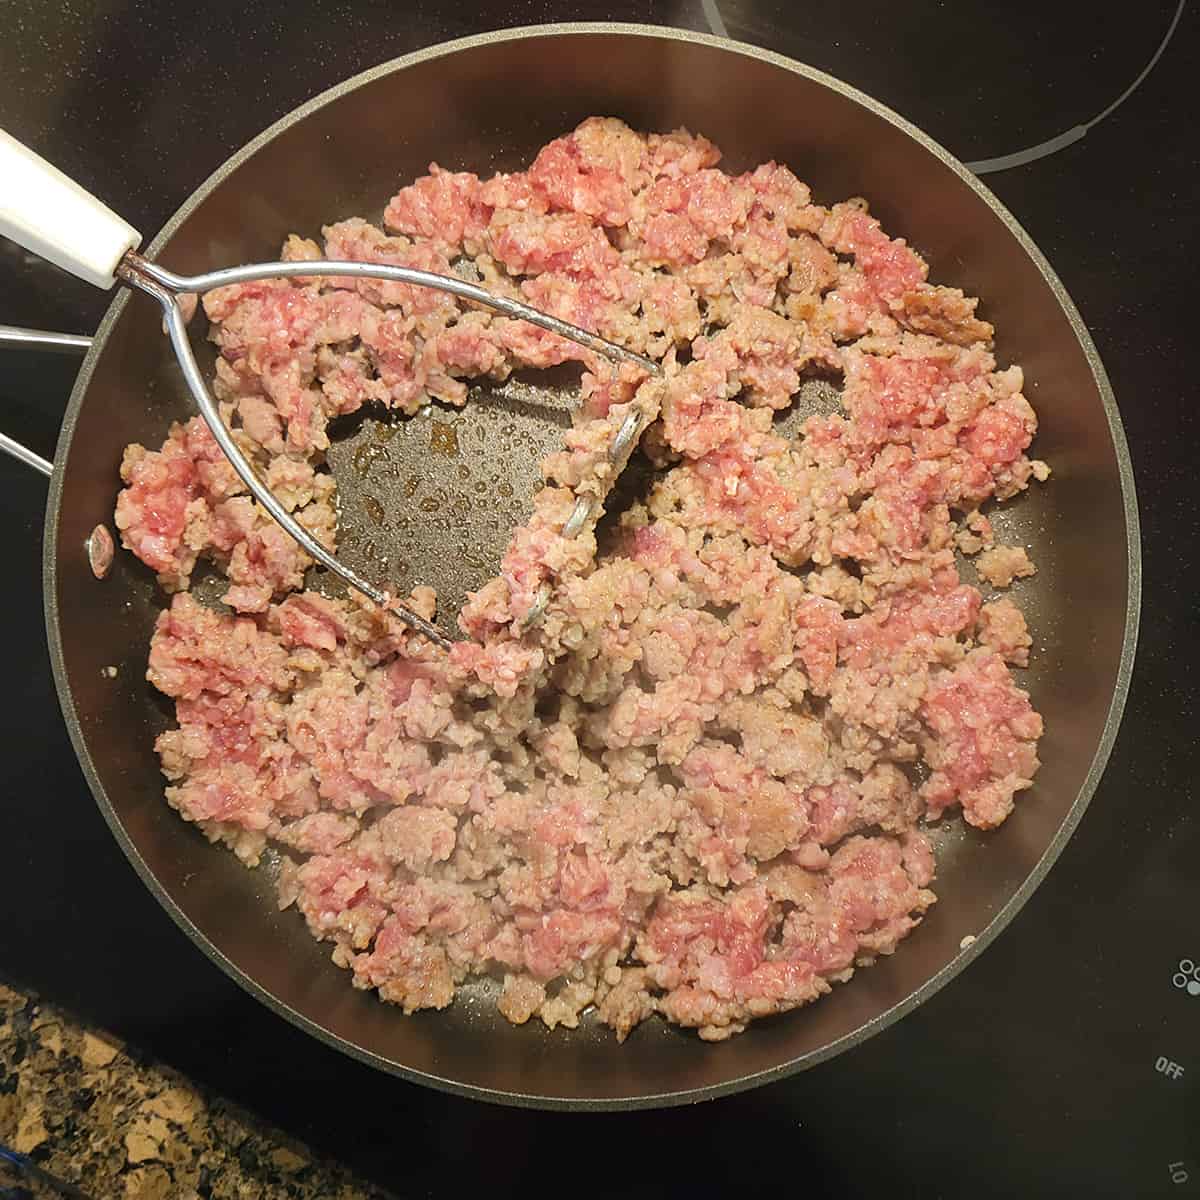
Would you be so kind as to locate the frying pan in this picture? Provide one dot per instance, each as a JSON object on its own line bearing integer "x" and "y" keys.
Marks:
{"x": 485, "y": 104}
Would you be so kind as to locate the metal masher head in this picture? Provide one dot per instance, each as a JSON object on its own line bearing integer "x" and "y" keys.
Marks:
{"x": 44, "y": 211}
{"x": 167, "y": 288}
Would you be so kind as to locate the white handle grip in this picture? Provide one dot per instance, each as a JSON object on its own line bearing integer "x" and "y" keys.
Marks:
{"x": 44, "y": 211}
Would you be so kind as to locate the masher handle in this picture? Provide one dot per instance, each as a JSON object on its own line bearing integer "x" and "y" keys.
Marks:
{"x": 44, "y": 211}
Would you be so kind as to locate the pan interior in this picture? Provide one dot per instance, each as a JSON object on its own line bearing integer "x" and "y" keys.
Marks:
{"x": 433, "y": 499}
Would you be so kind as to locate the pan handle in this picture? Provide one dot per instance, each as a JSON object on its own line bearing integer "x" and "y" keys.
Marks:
{"x": 12, "y": 337}
{"x": 23, "y": 454}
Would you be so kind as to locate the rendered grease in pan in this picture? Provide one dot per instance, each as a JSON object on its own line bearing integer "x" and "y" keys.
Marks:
{"x": 698, "y": 787}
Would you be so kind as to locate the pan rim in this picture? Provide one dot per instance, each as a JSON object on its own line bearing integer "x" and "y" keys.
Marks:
{"x": 1003, "y": 915}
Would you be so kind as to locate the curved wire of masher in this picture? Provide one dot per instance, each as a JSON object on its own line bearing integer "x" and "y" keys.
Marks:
{"x": 166, "y": 286}
{"x": 620, "y": 446}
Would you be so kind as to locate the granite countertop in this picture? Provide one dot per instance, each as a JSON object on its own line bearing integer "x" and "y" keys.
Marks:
{"x": 98, "y": 1115}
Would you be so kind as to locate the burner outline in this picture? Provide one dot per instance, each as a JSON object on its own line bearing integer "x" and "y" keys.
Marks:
{"x": 1019, "y": 158}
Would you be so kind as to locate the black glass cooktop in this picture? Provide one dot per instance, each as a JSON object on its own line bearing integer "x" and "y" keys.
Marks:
{"x": 1066, "y": 1061}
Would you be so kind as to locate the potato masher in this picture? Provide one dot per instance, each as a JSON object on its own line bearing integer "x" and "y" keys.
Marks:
{"x": 49, "y": 214}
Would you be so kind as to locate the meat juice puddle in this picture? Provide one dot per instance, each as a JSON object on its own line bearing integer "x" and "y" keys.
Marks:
{"x": 435, "y": 498}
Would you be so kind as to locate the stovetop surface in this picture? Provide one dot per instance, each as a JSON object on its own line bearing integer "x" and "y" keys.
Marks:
{"x": 1066, "y": 1061}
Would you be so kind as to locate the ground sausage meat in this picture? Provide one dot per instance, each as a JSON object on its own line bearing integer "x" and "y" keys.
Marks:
{"x": 100, "y": 550}
{"x": 697, "y": 787}
{"x": 1000, "y": 565}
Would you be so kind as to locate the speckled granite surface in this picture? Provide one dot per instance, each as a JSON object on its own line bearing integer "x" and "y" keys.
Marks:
{"x": 100, "y": 1117}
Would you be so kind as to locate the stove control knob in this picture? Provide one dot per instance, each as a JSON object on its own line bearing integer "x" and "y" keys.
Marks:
{"x": 1187, "y": 977}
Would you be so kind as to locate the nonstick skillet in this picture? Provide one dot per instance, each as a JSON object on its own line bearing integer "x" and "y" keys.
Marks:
{"x": 483, "y": 104}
